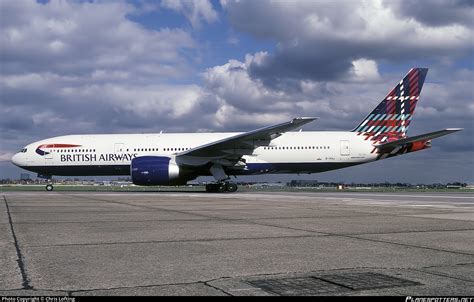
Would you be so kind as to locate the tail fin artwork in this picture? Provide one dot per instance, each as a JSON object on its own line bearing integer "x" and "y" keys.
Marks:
{"x": 391, "y": 118}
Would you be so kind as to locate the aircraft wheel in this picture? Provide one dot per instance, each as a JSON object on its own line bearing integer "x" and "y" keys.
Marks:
{"x": 49, "y": 187}
{"x": 210, "y": 188}
{"x": 221, "y": 187}
{"x": 231, "y": 187}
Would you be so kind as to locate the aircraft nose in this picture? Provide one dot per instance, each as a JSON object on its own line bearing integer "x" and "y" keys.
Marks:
{"x": 16, "y": 159}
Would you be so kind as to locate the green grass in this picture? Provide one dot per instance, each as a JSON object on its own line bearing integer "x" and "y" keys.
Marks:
{"x": 89, "y": 188}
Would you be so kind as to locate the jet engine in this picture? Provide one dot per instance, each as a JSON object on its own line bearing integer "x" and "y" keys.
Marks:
{"x": 156, "y": 170}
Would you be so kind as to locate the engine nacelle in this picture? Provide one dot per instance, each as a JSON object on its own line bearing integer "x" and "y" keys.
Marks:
{"x": 155, "y": 170}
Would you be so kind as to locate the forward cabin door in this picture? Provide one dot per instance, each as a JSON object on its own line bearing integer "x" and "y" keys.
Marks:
{"x": 345, "y": 149}
{"x": 48, "y": 157}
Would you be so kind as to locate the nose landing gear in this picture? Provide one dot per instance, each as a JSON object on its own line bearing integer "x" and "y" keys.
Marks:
{"x": 49, "y": 186}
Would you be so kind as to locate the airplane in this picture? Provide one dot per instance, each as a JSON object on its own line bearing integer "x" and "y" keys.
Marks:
{"x": 176, "y": 158}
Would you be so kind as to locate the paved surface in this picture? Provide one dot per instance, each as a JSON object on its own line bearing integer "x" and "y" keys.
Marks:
{"x": 223, "y": 244}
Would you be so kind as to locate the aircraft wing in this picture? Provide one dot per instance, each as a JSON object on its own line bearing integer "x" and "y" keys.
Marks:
{"x": 229, "y": 150}
{"x": 419, "y": 138}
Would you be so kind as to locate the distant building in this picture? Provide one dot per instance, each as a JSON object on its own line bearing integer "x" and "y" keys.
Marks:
{"x": 453, "y": 187}
{"x": 303, "y": 183}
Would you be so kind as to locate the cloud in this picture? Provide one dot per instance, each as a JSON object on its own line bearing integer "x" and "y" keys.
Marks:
{"x": 315, "y": 43}
{"x": 78, "y": 39}
{"x": 365, "y": 70}
{"x": 435, "y": 12}
{"x": 80, "y": 67}
{"x": 196, "y": 11}
{"x": 328, "y": 66}
{"x": 244, "y": 100}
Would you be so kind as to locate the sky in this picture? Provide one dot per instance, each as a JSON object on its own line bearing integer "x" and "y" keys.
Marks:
{"x": 73, "y": 67}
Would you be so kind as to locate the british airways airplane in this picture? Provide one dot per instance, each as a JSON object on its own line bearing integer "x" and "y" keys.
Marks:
{"x": 176, "y": 158}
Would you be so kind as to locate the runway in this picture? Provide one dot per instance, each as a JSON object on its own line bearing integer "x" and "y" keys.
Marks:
{"x": 189, "y": 243}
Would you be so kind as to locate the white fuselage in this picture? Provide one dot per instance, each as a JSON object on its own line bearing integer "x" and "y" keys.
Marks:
{"x": 111, "y": 154}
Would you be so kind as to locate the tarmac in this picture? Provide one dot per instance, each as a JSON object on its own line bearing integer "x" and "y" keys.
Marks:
{"x": 241, "y": 244}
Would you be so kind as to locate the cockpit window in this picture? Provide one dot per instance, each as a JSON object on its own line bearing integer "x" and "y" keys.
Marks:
{"x": 23, "y": 150}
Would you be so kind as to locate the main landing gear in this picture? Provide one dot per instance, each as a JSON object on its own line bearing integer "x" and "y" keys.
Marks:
{"x": 221, "y": 187}
{"x": 49, "y": 187}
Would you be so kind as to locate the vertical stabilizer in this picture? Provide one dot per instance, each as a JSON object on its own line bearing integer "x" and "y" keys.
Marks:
{"x": 392, "y": 117}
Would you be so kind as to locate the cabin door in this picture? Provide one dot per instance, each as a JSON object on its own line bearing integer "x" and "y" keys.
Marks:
{"x": 345, "y": 148}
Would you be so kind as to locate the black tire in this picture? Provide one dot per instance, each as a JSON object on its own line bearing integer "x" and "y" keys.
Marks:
{"x": 49, "y": 187}
{"x": 231, "y": 187}
{"x": 221, "y": 188}
{"x": 210, "y": 188}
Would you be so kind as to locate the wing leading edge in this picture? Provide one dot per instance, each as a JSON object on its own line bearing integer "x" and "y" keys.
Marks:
{"x": 233, "y": 148}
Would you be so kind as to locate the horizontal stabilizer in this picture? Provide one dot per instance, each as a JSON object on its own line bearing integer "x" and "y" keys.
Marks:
{"x": 409, "y": 140}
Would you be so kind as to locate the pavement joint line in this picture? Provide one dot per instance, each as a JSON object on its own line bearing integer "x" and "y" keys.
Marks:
{"x": 193, "y": 212}
{"x": 369, "y": 239}
{"x": 34, "y": 290}
{"x": 20, "y": 258}
{"x": 405, "y": 244}
{"x": 297, "y": 229}
{"x": 75, "y": 212}
{"x": 436, "y": 218}
{"x": 206, "y": 283}
{"x": 239, "y": 278}
{"x": 110, "y": 221}
{"x": 196, "y": 214}
{"x": 147, "y": 286}
{"x": 442, "y": 275}
{"x": 213, "y": 217}
{"x": 174, "y": 241}
{"x": 448, "y": 265}
{"x": 410, "y": 232}
{"x": 145, "y": 207}
{"x": 179, "y": 219}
